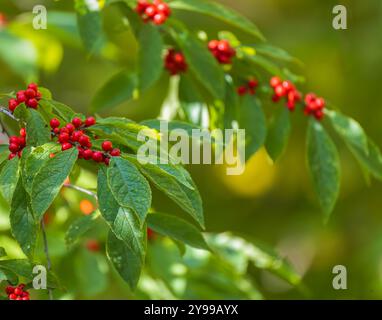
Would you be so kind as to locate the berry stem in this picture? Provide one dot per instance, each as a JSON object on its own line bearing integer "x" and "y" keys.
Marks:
{"x": 46, "y": 251}
{"x": 80, "y": 189}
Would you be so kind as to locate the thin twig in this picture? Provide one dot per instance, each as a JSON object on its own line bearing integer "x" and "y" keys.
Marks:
{"x": 80, "y": 189}
{"x": 8, "y": 113}
{"x": 46, "y": 250}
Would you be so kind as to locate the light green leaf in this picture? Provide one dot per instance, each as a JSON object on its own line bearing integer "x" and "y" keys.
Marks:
{"x": 23, "y": 225}
{"x": 8, "y": 178}
{"x": 63, "y": 111}
{"x": 350, "y": 130}
{"x": 177, "y": 229}
{"x": 34, "y": 161}
{"x": 126, "y": 262}
{"x": 150, "y": 56}
{"x": 220, "y": 12}
{"x": 129, "y": 187}
{"x": 91, "y": 30}
{"x": 188, "y": 199}
{"x": 278, "y": 134}
{"x": 79, "y": 227}
{"x": 324, "y": 165}
{"x": 252, "y": 119}
{"x": 202, "y": 64}
{"x": 122, "y": 220}
{"x": 49, "y": 180}
{"x": 3, "y": 253}
{"x": 118, "y": 89}
{"x": 275, "y": 52}
{"x": 264, "y": 63}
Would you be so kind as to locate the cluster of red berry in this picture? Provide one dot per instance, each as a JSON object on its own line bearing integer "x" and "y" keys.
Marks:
{"x": 92, "y": 245}
{"x": 249, "y": 87}
{"x": 314, "y": 106}
{"x": 17, "y": 293}
{"x": 72, "y": 135}
{"x": 30, "y": 97}
{"x": 175, "y": 62}
{"x": 285, "y": 89}
{"x": 157, "y": 11}
{"x": 222, "y": 51}
{"x": 17, "y": 144}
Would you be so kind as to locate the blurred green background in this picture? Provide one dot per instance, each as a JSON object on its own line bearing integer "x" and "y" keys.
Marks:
{"x": 272, "y": 203}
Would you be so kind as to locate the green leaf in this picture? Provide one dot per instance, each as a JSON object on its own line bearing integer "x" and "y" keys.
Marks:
{"x": 124, "y": 259}
{"x": 34, "y": 161}
{"x": 202, "y": 64}
{"x": 150, "y": 56}
{"x": 8, "y": 178}
{"x": 220, "y": 12}
{"x": 7, "y": 275}
{"x": 91, "y": 30}
{"x": 63, "y": 111}
{"x": 79, "y": 227}
{"x": 122, "y": 220}
{"x": 118, "y": 89}
{"x": 23, "y": 225}
{"x": 129, "y": 187}
{"x": 275, "y": 52}
{"x": 4, "y": 153}
{"x": 2, "y": 252}
{"x": 252, "y": 119}
{"x": 324, "y": 165}
{"x": 264, "y": 63}
{"x": 177, "y": 229}
{"x": 24, "y": 268}
{"x": 350, "y": 130}
{"x": 278, "y": 134}
{"x": 170, "y": 126}
{"x": 49, "y": 180}
{"x": 165, "y": 180}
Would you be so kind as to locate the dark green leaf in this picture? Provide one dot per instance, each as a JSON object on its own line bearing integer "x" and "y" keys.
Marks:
{"x": 177, "y": 229}
{"x": 2, "y": 252}
{"x": 218, "y": 11}
{"x": 129, "y": 187}
{"x": 125, "y": 260}
{"x": 252, "y": 119}
{"x": 274, "y": 52}
{"x": 49, "y": 180}
{"x": 8, "y": 178}
{"x": 122, "y": 220}
{"x": 118, "y": 89}
{"x": 23, "y": 225}
{"x": 91, "y": 30}
{"x": 278, "y": 134}
{"x": 150, "y": 56}
{"x": 324, "y": 165}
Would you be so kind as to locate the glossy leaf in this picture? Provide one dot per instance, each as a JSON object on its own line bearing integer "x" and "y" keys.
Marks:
{"x": 9, "y": 176}
{"x": 79, "y": 227}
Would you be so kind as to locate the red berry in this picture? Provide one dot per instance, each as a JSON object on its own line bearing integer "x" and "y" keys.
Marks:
{"x": 52, "y": 155}
{"x": 288, "y": 85}
{"x": 253, "y": 83}
{"x": 30, "y": 93}
{"x": 319, "y": 114}
{"x": 107, "y": 161}
{"x": 90, "y": 121}
{"x": 12, "y": 104}
{"x": 97, "y": 156}
{"x": 66, "y": 146}
{"x": 150, "y": 11}
{"x": 280, "y": 91}
{"x": 242, "y": 90}
{"x": 33, "y": 86}
{"x": 164, "y": 8}
{"x": 18, "y": 291}
{"x": 12, "y": 296}
{"x": 88, "y": 154}
{"x": 115, "y": 152}
{"x": 23, "y": 132}
{"x": 32, "y": 103}
{"x": 275, "y": 81}
{"x": 14, "y": 139}
{"x": 11, "y": 156}
{"x": 320, "y": 102}
{"x": 22, "y": 286}
{"x": 13, "y": 147}
{"x": 22, "y": 141}
{"x": 63, "y": 137}
{"x": 76, "y": 135}
{"x": 21, "y": 96}
{"x": 9, "y": 289}
{"x": 77, "y": 122}
{"x": 93, "y": 245}
{"x": 159, "y": 18}
{"x": 84, "y": 140}
{"x": 213, "y": 44}
{"x": 107, "y": 146}
{"x": 56, "y": 130}
{"x": 70, "y": 127}
{"x": 54, "y": 123}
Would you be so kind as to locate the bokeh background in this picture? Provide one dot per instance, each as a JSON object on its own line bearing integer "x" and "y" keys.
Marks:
{"x": 272, "y": 203}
